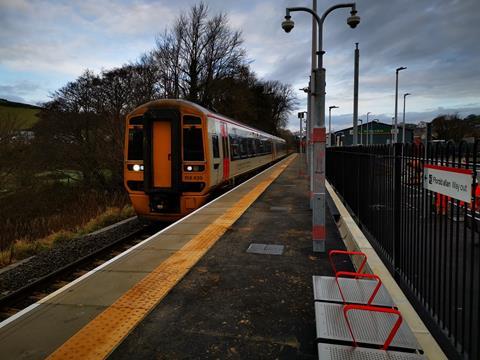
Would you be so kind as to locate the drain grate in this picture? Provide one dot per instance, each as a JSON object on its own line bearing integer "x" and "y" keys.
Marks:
{"x": 266, "y": 249}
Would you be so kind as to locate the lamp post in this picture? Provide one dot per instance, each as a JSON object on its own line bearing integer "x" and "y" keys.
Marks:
{"x": 368, "y": 113}
{"x": 394, "y": 135}
{"x": 371, "y": 135}
{"x": 318, "y": 123}
{"x": 308, "y": 125}
{"x": 403, "y": 122}
{"x": 396, "y": 102}
{"x": 368, "y": 127}
{"x": 301, "y": 116}
{"x": 355, "y": 95}
{"x": 329, "y": 142}
{"x": 361, "y": 130}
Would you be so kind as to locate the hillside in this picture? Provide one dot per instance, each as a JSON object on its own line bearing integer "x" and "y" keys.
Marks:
{"x": 24, "y": 114}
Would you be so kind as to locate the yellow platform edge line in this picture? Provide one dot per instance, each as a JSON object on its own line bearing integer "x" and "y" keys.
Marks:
{"x": 98, "y": 338}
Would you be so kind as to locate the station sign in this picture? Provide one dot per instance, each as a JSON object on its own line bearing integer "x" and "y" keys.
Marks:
{"x": 453, "y": 182}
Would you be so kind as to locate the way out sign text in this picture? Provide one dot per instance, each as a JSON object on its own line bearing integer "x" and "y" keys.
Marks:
{"x": 453, "y": 182}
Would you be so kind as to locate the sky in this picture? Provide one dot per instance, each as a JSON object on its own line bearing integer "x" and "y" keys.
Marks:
{"x": 45, "y": 44}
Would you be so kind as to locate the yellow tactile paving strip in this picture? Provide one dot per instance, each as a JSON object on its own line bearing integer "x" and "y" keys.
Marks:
{"x": 102, "y": 335}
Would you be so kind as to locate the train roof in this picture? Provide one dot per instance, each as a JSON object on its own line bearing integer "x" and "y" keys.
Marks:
{"x": 205, "y": 111}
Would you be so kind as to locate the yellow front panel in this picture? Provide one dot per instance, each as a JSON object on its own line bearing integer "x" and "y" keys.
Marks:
{"x": 161, "y": 159}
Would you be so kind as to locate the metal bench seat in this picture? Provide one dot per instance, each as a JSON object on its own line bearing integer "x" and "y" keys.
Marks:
{"x": 371, "y": 327}
{"x": 355, "y": 291}
{"x": 342, "y": 352}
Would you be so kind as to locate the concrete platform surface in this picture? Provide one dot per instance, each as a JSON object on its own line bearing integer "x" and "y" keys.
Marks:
{"x": 156, "y": 264}
{"x": 239, "y": 305}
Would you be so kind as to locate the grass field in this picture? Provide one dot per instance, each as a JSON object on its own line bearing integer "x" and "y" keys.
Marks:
{"x": 25, "y": 115}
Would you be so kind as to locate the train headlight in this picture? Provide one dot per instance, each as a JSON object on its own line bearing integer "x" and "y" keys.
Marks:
{"x": 136, "y": 167}
{"x": 189, "y": 168}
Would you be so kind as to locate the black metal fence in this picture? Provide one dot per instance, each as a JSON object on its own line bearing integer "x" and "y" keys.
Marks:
{"x": 430, "y": 242}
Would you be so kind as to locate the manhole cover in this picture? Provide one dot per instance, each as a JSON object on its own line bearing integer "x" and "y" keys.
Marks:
{"x": 266, "y": 249}
{"x": 279, "y": 208}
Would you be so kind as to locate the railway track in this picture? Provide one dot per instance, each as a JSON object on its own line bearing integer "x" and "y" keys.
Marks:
{"x": 17, "y": 300}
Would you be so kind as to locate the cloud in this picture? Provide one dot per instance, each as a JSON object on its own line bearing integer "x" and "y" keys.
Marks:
{"x": 17, "y": 91}
{"x": 435, "y": 39}
{"x": 70, "y": 37}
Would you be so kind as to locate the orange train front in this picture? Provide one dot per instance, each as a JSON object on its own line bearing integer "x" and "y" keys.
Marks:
{"x": 177, "y": 152}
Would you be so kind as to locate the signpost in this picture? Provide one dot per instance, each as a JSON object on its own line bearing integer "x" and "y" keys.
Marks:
{"x": 453, "y": 182}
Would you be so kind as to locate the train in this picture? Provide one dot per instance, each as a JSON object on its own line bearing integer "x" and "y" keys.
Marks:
{"x": 177, "y": 153}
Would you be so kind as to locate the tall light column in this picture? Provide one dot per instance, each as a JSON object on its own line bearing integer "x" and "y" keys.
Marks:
{"x": 371, "y": 135}
{"x": 300, "y": 118}
{"x": 312, "y": 109}
{"x": 396, "y": 102}
{"x": 308, "y": 126}
{"x": 368, "y": 127}
{"x": 361, "y": 131}
{"x": 355, "y": 95}
{"x": 403, "y": 122}
{"x": 368, "y": 113}
{"x": 394, "y": 135}
{"x": 318, "y": 133}
{"x": 329, "y": 140}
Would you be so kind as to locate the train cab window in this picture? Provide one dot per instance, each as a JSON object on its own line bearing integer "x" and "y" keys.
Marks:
{"x": 137, "y": 120}
{"x": 191, "y": 120}
{"x": 215, "y": 146}
{"x": 192, "y": 144}
{"x": 135, "y": 144}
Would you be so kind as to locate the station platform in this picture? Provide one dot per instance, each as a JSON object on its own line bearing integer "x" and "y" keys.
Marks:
{"x": 231, "y": 280}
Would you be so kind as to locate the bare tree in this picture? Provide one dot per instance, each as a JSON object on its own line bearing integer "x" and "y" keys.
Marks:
{"x": 451, "y": 127}
{"x": 12, "y": 147}
{"x": 197, "y": 51}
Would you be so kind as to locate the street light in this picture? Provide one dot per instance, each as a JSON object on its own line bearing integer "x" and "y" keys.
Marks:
{"x": 371, "y": 135}
{"x": 318, "y": 109}
{"x": 368, "y": 113}
{"x": 396, "y": 100}
{"x": 394, "y": 135}
{"x": 301, "y": 116}
{"x": 403, "y": 130}
{"x": 308, "y": 124}
{"x": 361, "y": 131}
{"x": 329, "y": 143}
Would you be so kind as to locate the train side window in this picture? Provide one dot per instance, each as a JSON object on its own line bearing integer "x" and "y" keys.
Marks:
{"x": 235, "y": 147}
{"x": 258, "y": 147}
{"x": 251, "y": 147}
{"x": 192, "y": 144}
{"x": 268, "y": 147}
{"x": 135, "y": 144}
{"x": 243, "y": 147}
{"x": 215, "y": 146}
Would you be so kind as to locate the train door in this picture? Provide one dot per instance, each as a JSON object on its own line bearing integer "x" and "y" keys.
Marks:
{"x": 216, "y": 161}
{"x": 225, "y": 152}
{"x": 162, "y": 150}
{"x": 162, "y": 159}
